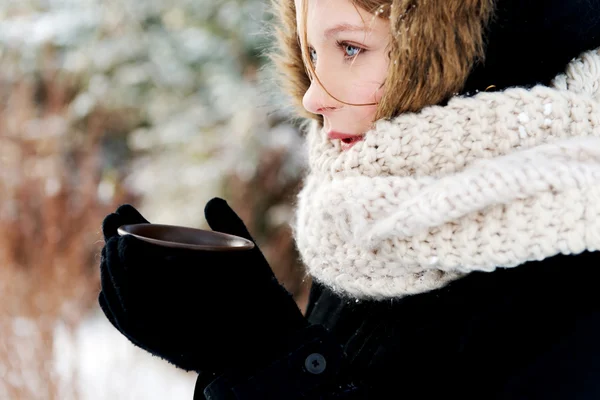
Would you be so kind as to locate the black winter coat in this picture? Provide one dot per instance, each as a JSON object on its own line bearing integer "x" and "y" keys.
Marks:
{"x": 529, "y": 332}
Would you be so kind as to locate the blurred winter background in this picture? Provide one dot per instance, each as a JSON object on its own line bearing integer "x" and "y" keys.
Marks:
{"x": 159, "y": 103}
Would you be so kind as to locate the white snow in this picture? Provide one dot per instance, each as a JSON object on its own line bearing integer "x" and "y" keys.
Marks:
{"x": 105, "y": 365}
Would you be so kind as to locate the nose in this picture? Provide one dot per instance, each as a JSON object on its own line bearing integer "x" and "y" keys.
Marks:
{"x": 317, "y": 101}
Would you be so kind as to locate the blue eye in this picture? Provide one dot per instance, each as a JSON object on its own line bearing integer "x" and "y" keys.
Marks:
{"x": 313, "y": 55}
{"x": 351, "y": 51}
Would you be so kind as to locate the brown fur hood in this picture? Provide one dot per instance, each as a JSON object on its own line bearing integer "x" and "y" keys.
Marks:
{"x": 445, "y": 47}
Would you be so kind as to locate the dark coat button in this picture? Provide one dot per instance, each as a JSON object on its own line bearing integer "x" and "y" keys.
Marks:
{"x": 315, "y": 363}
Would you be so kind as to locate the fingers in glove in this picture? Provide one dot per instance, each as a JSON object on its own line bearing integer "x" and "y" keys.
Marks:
{"x": 130, "y": 215}
{"x": 115, "y": 277}
{"x": 108, "y": 311}
{"x": 222, "y": 218}
{"x": 124, "y": 215}
{"x": 111, "y": 303}
{"x": 109, "y": 226}
{"x": 112, "y": 319}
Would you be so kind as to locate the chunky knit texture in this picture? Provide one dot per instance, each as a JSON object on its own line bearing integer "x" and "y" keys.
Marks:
{"x": 489, "y": 181}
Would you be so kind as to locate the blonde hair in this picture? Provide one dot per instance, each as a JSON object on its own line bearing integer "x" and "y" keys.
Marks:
{"x": 433, "y": 47}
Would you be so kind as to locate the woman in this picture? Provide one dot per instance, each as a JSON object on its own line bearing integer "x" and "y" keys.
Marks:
{"x": 449, "y": 220}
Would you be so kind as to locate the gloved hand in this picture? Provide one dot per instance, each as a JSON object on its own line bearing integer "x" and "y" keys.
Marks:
{"x": 200, "y": 310}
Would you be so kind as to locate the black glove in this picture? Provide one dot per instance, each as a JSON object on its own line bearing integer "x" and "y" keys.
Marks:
{"x": 200, "y": 310}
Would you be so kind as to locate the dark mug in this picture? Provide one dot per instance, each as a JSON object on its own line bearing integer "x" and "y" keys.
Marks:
{"x": 186, "y": 238}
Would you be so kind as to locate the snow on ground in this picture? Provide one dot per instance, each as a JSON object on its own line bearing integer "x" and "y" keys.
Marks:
{"x": 108, "y": 366}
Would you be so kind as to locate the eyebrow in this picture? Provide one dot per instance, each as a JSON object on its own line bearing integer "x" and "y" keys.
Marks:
{"x": 344, "y": 28}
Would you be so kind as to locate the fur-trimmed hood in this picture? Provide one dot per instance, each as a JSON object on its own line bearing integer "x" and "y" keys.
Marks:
{"x": 445, "y": 47}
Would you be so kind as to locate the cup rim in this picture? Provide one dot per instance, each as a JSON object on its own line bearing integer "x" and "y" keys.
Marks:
{"x": 151, "y": 232}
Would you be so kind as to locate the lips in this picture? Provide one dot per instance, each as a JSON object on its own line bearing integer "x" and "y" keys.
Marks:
{"x": 347, "y": 140}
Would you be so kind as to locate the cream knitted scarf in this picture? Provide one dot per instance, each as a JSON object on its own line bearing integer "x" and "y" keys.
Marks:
{"x": 489, "y": 181}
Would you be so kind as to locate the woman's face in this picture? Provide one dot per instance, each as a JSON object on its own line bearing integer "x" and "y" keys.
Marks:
{"x": 348, "y": 49}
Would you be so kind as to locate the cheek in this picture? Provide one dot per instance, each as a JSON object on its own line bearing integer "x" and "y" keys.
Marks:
{"x": 366, "y": 94}
{"x": 360, "y": 120}
{"x": 363, "y": 93}
{"x": 367, "y": 114}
